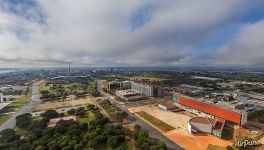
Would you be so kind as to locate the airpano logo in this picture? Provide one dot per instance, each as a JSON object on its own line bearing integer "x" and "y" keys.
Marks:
{"x": 246, "y": 143}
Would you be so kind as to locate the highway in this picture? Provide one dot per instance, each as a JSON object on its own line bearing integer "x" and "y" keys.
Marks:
{"x": 152, "y": 132}
{"x": 11, "y": 123}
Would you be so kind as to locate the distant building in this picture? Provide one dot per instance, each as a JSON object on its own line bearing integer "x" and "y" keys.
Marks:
{"x": 147, "y": 90}
{"x": 129, "y": 95}
{"x": 206, "y": 125}
{"x": 119, "y": 85}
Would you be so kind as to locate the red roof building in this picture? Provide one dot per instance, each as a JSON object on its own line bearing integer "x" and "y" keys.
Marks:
{"x": 212, "y": 109}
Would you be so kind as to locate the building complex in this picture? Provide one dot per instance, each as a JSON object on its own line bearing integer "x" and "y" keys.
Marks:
{"x": 202, "y": 107}
{"x": 130, "y": 90}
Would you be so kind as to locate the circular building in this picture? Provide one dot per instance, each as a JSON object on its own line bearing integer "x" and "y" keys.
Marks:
{"x": 201, "y": 124}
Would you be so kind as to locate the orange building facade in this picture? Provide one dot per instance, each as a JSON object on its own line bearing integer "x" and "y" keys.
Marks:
{"x": 223, "y": 113}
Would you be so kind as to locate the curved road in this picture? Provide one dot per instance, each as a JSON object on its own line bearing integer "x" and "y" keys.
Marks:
{"x": 11, "y": 123}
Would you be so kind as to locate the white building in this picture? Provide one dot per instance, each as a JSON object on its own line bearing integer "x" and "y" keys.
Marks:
{"x": 206, "y": 125}
{"x": 1, "y": 97}
{"x": 145, "y": 89}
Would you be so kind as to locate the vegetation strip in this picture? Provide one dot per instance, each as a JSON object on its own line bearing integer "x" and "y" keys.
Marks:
{"x": 156, "y": 122}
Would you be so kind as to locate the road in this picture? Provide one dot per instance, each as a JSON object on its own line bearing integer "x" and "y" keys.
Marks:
{"x": 152, "y": 132}
{"x": 11, "y": 123}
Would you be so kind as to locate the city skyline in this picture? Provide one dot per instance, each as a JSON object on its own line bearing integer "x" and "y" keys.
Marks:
{"x": 37, "y": 33}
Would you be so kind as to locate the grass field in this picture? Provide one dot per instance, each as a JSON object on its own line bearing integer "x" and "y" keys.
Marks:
{"x": 12, "y": 107}
{"x": 89, "y": 116}
{"x": 155, "y": 122}
{"x": 62, "y": 104}
{"x": 4, "y": 118}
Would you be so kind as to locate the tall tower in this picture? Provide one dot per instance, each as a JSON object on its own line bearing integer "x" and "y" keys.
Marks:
{"x": 1, "y": 97}
{"x": 69, "y": 68}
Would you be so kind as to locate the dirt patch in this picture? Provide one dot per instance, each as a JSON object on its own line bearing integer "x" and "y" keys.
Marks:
{"x": 240, "y": 133}
{"x": 197, "y": 141}
{"x": 62, "y": 104}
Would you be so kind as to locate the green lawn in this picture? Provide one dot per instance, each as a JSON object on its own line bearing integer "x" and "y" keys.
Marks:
{"x": 12, "y": 107}
{"x": 87, "y": 118}
{"x": 15, "y": 104}
{"x": 4, "y": 118}
{"x": 156, "y": 122}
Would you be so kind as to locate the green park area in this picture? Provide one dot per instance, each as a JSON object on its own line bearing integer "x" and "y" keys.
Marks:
{"x": 99, "y": 133}
{"x": 155, "y": 122}
{"x": 16, "y": 104}
{"x": 60, "y": 89}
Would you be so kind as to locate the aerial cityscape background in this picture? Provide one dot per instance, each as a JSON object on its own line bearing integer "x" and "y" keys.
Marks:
{"x": 131, "y": 75}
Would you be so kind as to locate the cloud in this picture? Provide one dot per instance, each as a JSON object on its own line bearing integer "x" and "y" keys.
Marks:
{"x": 245, "y": 49}
{"x": 111, "y": 33}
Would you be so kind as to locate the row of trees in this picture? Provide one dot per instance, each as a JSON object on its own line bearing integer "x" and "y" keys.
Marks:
{"x": 113, "y": 111}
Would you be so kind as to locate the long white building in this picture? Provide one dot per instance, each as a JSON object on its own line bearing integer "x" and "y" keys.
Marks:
{"x": 145, "y": 89}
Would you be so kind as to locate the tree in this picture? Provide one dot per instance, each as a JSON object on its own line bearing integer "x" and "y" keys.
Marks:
{"x": 8, "y": 135}
{"x": 143, "y": 134}
{"x": 23, "y": 121}
{"x": 137, "y": 128}
{"x": 112, "y": 141}
{"x": 49, "y": 114}
{"x": 80, "y": 112}
{"x": 228, "y": 147}
{"x": 71, "y": 111}
{"x": 53, "y": 145}
{"x": 31, "y": 137}
{"x": 91, "y": 107}
{"x": 161, "y": 145}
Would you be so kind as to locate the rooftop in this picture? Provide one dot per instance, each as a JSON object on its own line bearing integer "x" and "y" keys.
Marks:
{"x": 128, "y": 92}
{"x": 203, "y": 120}
{"x": 203, "y": 100}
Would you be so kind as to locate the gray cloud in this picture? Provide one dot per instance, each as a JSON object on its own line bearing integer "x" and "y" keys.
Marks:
{"x": 101, "y": 32}
{"x": 246, "y": 49}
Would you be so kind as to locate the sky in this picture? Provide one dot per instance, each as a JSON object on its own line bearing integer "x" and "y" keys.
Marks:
{"x": 48, "y": 33}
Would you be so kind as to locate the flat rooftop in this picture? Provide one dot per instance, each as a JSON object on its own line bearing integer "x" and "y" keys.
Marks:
{"x": 167, "y": 104}
{"x": 206, "y": 78}
{"x": 203, "y": 120}
{"x": 128, "y": 92}
{"x": 216, "y": 105}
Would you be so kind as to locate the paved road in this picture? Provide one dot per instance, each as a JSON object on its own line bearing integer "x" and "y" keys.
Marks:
{"x": 152, "y": 132}
{"x": 11, "y": 123}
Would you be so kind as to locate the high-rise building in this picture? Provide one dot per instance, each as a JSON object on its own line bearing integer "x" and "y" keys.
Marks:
{"x": 1, "y": 97}
{"x": 145, "y": 89}
{"x": 119, "y": 85}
